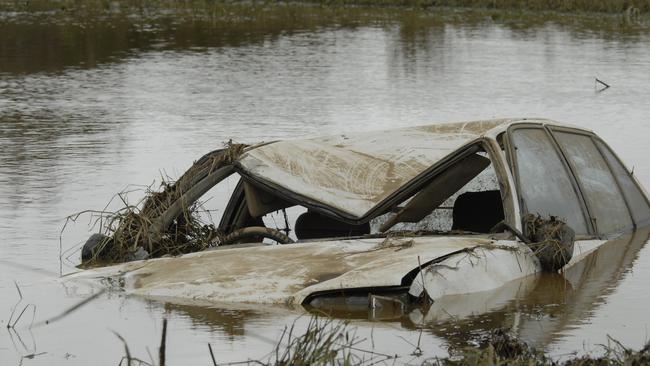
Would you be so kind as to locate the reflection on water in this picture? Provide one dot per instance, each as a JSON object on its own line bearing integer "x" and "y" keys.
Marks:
{"x": 52, "y": 41}
{"x": 91, "y": 103}
{"x": 540, "y": 310}
{"x": 227, "y": 319}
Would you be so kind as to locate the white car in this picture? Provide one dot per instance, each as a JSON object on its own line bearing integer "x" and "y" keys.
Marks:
{"x": 388, "y": 216}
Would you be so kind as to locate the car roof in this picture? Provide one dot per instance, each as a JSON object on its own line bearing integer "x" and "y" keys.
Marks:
{"x": 353, "y": 173}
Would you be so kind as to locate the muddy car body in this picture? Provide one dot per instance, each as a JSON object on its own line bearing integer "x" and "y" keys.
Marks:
{"x": 413, "y": 213}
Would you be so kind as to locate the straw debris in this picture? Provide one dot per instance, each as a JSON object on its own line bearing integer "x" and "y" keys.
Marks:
{"x": 551, "y": 240}
{"x": 146, "y": 229}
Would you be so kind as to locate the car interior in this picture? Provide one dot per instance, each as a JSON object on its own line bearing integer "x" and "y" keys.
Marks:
{"x": 464, "y": 197}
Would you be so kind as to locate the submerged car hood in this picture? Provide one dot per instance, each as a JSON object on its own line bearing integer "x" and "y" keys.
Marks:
{"x": 281, "y": 273}
{"x": 354, "y": 173}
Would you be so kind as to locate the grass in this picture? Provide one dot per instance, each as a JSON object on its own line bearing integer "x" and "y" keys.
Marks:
{"x": 324, "y": 342}
{"x": 328, "y": 342}
{"x": 496, "y": 348}
{"x": 600, "y": 6}
{"x": 311, "y": 12}
{"x": 90, "y": 33}
{"x": 501, "y": 348}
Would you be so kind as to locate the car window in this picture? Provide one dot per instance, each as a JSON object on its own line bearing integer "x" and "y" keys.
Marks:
{"x": 635, "y": 198}
{"x": 284, "y": 220}
{"x": 606, "y": 203}
{"x": 475, "y": 207}
{"x": 545, "y": 186}
{"x": 210, "y": 207}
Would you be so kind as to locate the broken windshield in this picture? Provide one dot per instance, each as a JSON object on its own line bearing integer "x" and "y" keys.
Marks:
{"x": 465, "y": 197}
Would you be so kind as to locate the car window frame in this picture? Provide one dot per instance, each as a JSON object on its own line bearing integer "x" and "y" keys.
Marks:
{"x": 401, "y": 194}
{"x": 512, "y": 160}
{"x": 591, "y": 136}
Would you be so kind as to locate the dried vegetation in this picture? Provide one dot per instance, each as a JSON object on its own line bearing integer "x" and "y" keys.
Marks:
{"x": 328, "y": 342}
{"x": 161, "y": 223}
{"x": 331, "y": 343}
{"x": 602, "y": 6}
{"x": 501, "y": 348}
{"x": 550, "y": 239}
{"x": 325, "y": 342}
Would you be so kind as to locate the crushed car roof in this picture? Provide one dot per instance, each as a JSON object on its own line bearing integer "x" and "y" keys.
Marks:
{"x": 354, "y": 173}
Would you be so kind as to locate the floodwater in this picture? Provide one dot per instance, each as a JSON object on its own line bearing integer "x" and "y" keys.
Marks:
{"x": 89, "y": 107}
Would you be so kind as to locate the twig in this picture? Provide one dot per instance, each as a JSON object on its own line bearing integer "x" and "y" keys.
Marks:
{"x": 13, "y": 332}
{"x": 417, "y": 352}
{"x": 424, "y": 289}
{"x": 61, "y": 255}
{"x": 214, "y": 362}
{"x": 32, "y": 355}
{"x": 21, "y": 314}
{"x": 126, "y": 349}
{"x": 598, "y": 81}
{"x": 73, "y": 308}
{"x": 13, "y": 309}
{"x": 150, "y": 356}
{"x": 161, "y": 350}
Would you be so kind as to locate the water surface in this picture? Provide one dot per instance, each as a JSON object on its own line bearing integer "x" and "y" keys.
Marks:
{"x": 90, "y": 107}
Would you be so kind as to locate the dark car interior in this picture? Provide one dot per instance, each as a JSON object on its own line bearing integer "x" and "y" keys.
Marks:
{"x": 457, "y": 195}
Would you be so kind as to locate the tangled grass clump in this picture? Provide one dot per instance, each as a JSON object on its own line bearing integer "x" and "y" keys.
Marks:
{"x": 164, "y": 222}
{"x": 551, "y": 240}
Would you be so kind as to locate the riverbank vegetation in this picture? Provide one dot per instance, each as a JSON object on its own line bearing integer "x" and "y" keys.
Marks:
{"x": 631, "y": 7}
{"x": 76, "y": 29}
{"x": 502, "y": 348}
{"x": 329, "y": 342}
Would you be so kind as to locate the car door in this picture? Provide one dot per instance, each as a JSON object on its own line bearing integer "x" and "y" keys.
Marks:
{"x": 544, "y": 181}
{"x": 573, "y": 175}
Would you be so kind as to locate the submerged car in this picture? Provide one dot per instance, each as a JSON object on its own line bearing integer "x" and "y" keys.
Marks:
{"x": 384, "y": 218}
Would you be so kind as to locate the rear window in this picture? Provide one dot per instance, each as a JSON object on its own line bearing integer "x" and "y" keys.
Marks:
{"x": 545, "y": 186}
{"x": 606, "y": 203}
{"x": 635, "y": 198}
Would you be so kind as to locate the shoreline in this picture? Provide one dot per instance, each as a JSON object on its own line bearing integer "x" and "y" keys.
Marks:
{"x": 155, "y": 24}
{"x": 625, "y": 8}
{"x": 343, "y": 12}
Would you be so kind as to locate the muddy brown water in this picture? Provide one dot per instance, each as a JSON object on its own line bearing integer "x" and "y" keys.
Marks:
{"x": 87, "y": 109}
